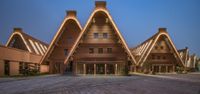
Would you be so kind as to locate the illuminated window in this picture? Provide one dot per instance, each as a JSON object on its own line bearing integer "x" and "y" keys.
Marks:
{"x": 96, "y": 35}
{"x": 100, "y": 50}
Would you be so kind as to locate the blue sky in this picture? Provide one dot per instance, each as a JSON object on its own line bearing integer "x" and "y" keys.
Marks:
{"x": 137, "y": 20}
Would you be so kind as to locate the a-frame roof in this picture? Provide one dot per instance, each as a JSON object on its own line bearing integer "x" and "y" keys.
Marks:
{"x": 184, "y": 53}
{"x": 143, "y": 50}
{"x": 32, "y": 44}
{"x": 100, "y": 7}
{"x": 71, "y": 15}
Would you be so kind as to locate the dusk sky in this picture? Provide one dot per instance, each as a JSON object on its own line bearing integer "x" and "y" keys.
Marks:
{"x": 137, "y": 20}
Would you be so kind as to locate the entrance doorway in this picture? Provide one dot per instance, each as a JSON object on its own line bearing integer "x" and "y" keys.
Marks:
{"x": 69, "y": 67}
{"x": 110, "y": 69}
{"x": 156, "y": 69}
{"x": 7, "y": 68}
{"x": 100, "y": 68}
{"x": 90, "y": 69}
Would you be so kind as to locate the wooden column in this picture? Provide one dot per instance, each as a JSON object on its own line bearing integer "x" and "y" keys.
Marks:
{"x": 105, "y": 69}
{"x": 115, "y": 69}
{"x": 94, "y": 69}
{"x": 84, "y": 69}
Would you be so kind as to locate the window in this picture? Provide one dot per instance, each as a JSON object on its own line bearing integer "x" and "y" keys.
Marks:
{"x": 164, "y": 57}
{"x": 69, "y": 39}
{"x": 153, "y": 56}
{"x": 158, "y": 57}
{"x": 91, "y": 50}
{"x": 65, "y": 52}
{"x": 105, "y": 35}
{"x": 21, "y": 67}
{"x": 100, "y": 50}
{"x": 96, "y": 35}
{"x": 161, "y": 47}
{"x": 156, "y": 47}
{"x": 109, "y": 50}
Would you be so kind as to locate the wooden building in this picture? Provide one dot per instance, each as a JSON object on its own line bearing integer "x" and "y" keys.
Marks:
{"x": 190, "y": 61}
{"x": 22, "y": 52}
{"x": 157, "y": 54}
{"x": 99, "y": 48}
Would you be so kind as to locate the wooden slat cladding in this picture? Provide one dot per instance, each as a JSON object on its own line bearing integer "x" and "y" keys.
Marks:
{"x": 66, "y": 41}
{"x": 100, "y": 25}
{"x": 162, "y": 53}
{"x": 100, "y": 28}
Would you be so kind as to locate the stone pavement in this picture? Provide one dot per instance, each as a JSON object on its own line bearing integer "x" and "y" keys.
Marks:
{"x": 59, "y": 84}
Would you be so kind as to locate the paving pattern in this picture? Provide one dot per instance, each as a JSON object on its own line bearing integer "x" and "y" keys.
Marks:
{"x": 59, "y": 84}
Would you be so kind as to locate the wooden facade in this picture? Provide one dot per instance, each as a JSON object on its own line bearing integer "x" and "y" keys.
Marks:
{"x": 158, "y": 54}
{"x": 98, "y": 48}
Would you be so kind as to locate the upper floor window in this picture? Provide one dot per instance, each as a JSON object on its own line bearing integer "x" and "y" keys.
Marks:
{"x": 100, "y": 50}
{"x": 164, "y": 57}
{"x": 109, "y": 50}
{"x": 161, "y": 47}
{"x": 65, "y": 52}
{"x": 156, "y": 47}
{"x": 91, "y": 50}
{"x": 153, "y": 56}
{"x": 105, "y": 35}
{"x": 158, "y": 57}
{"x": 96, "y": 35}
{"x": 69, "y": 40}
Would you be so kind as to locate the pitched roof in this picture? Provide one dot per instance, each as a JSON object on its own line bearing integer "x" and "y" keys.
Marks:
{"x": 184, "y": 53}
{"x": 100, "y": 7}
{"x": 71, "y": 15}
{"x": 32, "y": 44}
{"x": 142, "y": 51}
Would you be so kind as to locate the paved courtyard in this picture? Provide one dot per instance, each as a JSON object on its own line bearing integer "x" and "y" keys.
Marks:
{"x": 136, "y": 84}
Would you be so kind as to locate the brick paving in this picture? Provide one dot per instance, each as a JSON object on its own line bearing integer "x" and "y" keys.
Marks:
{"x": 59, "y": 84}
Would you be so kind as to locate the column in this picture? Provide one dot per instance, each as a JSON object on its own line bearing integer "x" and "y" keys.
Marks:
{"x": 105, "y": 69}
{"x": 115, "y": 69}
{"x": 159, "y": 68}
{"x": 84, "y": 69}
{"x": 94, "y": 69}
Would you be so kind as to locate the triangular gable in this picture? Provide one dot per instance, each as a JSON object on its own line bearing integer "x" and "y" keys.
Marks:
{"x": 58, "y": 34}
{"x": 184, "y": 53}
{"x": 86, "y": 26}
{"x": 140, "y": 50}
{"x": 32, "y": 44}
{"x": 160, "y": 33}
{"x": 21, "y": 36}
